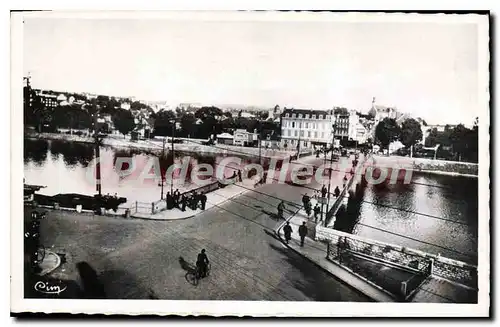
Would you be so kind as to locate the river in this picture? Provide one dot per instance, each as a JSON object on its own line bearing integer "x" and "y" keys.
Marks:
{"x": 68, "y": 167}
{"x": 438, "y": 214}
{"x": 435, "y": 213}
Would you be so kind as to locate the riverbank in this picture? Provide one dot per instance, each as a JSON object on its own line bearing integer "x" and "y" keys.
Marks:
{"x": 428, "y": 166}
{"x": 154, "y": 145}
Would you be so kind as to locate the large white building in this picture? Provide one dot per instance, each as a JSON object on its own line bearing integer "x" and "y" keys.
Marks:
{"x": 307, "y": 127}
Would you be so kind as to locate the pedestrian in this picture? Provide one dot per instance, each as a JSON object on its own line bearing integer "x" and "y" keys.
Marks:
{"x": 306, "y": 201}
{"x": 316, "y": 211}
{"x": 288, "y": 232}
{"x": 337, "y": 191}
{"x": 239, "y": 176}
{"x": 170, "y": 201}
{"x": 203, "y": 198}
{"x": 177, "y": 195}
{"x": 323, "y": 191}
{"x": 302, "y": 233}
{"x": 281, "y": 207}
{"x": 194, "y": 201}
{"x": 184, "y": 202}
{"x": 345, "y": 179}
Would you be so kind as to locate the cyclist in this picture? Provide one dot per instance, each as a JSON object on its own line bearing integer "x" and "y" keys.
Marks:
{"x": 202, "y": 263}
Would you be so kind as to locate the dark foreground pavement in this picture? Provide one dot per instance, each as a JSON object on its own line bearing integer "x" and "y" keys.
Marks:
{"x": 134, "y": 259}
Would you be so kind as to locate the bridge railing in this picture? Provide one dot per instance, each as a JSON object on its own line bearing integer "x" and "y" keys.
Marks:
{"x": 342, "y": 246}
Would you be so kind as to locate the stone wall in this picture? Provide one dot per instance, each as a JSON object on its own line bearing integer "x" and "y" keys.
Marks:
{"x": 447, "y": 268}
{"x": 428, "y": 165}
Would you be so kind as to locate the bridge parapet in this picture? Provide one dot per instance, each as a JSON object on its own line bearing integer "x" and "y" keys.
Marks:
{"x": 412, "y": 260}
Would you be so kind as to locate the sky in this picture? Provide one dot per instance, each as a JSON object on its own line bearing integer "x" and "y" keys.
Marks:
{"x": 429, "y": 70}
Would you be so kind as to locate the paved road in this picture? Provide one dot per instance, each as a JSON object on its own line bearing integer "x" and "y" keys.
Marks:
{"x": 134, "y": 257}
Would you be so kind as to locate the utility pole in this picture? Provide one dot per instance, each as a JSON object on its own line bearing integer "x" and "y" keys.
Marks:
{"x": 97, "y": 149}
{"x": 329, "y": 177}
{"x": 260, "y": 149}
{"x": 173, "y": 160}
{"x": 161, "y": 173}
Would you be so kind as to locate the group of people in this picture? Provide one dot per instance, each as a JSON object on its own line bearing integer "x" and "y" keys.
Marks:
{"x": 193, "y": 201}
{"x": 287, "y": 230}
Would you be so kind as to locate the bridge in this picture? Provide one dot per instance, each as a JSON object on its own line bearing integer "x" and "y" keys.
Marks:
{"x": 383, "y": 271}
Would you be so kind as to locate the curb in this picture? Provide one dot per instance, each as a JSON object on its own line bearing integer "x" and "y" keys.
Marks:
{"x": 323, "y": 268}
{"x": 58, "y": 263}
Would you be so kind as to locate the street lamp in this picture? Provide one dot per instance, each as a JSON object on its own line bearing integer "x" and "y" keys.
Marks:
{"x": 173, "y": 158}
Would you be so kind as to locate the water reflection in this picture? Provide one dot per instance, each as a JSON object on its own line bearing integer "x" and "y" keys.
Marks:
{"x": 73, "y": 153}
{"x": 64, "y": 167}
{"x": 35, "y": 151}
{"x": 437, "y": 214}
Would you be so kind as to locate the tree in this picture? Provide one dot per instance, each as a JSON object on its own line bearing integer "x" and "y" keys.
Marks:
{"x": 387, "y": 131}
{"x": 411, "y": 133}
{"x": 163, "y": 122}
{"x": 340, "y": 111}
{"x": 123, "y": 121}
{"x": 188, "y": 125}
{"x": 458, "y": 138}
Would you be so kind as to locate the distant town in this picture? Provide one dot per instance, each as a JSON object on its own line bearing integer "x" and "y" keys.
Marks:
{"x": 380, "y": 128}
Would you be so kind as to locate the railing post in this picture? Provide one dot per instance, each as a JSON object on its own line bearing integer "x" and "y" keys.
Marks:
{"x": 136, "y": 205}
{"x": 431, "y": 267}
{"x": 403, "y": 289}
{"x": 152, "y": 208}
{"x": 327, "y": 250}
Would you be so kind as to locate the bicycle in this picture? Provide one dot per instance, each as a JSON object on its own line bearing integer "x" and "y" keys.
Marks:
{"x": 193, "y": 276}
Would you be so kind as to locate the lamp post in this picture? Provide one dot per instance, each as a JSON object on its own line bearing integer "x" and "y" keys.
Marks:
{"x": 173, "y": 158}
{"x": 162, "y": 176}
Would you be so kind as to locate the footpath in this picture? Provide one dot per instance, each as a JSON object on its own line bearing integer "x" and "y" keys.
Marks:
{"x": 214, "y": 199}
{"x": 316, "y": 251}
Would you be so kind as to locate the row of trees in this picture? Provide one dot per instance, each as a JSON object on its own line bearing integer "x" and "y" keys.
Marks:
{"x": 202, "y": 124}
{"x": 460, "y": 141}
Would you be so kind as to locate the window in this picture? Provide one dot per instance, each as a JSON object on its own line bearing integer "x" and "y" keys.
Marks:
{"x": 300, "y": 115}
{"x": 322, "y": 135}
{"x": 305, "y": 144}
{"x": 300, "y": 125}
{"x": 289, "y": 132}
{"x": 315, "y": 135}
{"x": 306, "y": 116}
{"x": 293, "y": 115}
{"x": 286, "y": 115}
{"x": 296, "y": 133}
{"x": 301, "y": 133}
{"x": 308, "y": 133}
{"x": 307, "y": 125}
{"x": 320, "y": 117}
{"x": 293, "y": 124}
{"x": 313, "y": 116}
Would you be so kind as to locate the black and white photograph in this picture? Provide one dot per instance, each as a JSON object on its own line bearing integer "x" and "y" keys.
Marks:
{"x": 286, "y": 163}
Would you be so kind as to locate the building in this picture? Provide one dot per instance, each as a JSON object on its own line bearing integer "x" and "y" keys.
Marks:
{"x": 347, "y": 127}
{"x": 49, "y": 100}
{"x": 225, "y": 138}
{"x": 306, "y": 127}
{"x": 244, "y": 138}
{"x": 379, "y": 112}
{"x": 274, "y": 114}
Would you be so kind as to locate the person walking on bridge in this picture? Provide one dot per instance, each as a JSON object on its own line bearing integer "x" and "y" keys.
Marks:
{"x": 281, "y": 207}
{"x": 337, "y": 191}
{"x": 287, "y": 230}
{"x": 302, "y": 233}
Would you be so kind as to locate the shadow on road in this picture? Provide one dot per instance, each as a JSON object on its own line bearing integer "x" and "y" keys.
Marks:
{"x": 120, "y": 284}
{"x": 186, "y": 265}
{"x": 315, "y": 283}
{"x": 92, "y": 286}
